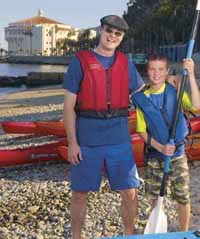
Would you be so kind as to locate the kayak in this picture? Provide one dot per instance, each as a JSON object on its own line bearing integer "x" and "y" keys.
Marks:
{"x": 58, "y": 150}
{"x": 33, "y": 154}
{"x": 57, "y": 127}
{"x": 13, "y": 127}
{"x": 170, "y": 235}
{"x": 137, "y": 147}
{"x": 132, "y": 120}
{"x": 50, "y": 127}
{"x": 193, "y": 151}
{"x": 194, "y": 124}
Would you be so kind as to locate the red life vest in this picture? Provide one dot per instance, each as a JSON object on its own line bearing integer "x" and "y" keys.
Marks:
{"x": 104, "y": 93}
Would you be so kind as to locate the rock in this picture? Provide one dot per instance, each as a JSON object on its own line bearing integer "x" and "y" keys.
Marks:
{"x": 8, "y": 81}
{"x": 43, "y": 78}
{"x": 33, "y": 209}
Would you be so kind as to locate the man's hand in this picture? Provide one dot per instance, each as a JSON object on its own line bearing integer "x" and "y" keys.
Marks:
{"x": 74, "y": 153}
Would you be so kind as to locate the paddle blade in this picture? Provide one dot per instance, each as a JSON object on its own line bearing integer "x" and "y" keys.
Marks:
{"x": 198, "y": 5}
{"x": 157, "y": 222}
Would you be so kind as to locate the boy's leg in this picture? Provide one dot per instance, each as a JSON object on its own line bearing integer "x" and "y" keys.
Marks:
{"x": 180, "y": 191}
{"x": 78, "y": 212}
{"x": 184, "y": 216}
{"x": 153, "y": 177}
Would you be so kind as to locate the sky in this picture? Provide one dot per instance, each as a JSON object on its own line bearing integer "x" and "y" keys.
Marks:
{"x": 77, "y": 13}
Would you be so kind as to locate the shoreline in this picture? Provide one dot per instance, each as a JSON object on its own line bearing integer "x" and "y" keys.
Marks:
{"x": 49, "y": 60}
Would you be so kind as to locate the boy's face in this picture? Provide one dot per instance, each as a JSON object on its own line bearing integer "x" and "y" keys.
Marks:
{"x": 157, "y": 72}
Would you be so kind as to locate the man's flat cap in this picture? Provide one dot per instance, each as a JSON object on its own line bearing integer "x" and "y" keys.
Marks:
{"x": 115, "y": 21}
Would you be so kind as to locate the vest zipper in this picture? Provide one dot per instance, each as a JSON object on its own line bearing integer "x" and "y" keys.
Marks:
{"x": 108, "y": 91}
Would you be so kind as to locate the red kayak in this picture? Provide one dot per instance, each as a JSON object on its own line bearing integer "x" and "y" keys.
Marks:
{"x": 32, "y": 154}
{"x": 13, "y": 127}
{"x": 137, "y": 146}
{"x": 193, "y": 151}
{"x": 49, "y": 127}
{"x": 194, "y": 124}
{"x": 57, "y": 127}
{"x": 132, "y": 120}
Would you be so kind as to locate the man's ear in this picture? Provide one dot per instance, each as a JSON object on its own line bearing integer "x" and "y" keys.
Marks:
{"x": 100, "y": 29}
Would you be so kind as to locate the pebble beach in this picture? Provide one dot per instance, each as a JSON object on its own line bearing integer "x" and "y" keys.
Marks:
{"x": 35, "y": 199}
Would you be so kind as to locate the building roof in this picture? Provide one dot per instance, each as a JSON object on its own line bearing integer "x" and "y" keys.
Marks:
{"x": 38, "y": 20}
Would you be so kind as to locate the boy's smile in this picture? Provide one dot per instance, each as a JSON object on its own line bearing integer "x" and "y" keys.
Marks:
{"x": 157, "y": 73}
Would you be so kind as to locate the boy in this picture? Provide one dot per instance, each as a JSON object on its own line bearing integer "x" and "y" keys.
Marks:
{"x": 156, "y": 105}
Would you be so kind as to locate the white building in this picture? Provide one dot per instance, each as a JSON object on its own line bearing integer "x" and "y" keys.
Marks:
{"x": 37, "y": 36}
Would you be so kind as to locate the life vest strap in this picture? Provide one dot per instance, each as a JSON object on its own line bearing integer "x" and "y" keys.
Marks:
{"x": 103, "y": 114}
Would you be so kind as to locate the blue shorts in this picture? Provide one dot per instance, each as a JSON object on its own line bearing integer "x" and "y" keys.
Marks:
{"x": 119, "y": 165}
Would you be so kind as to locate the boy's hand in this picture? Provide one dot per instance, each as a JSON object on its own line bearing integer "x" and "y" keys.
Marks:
{"x": 168, "y": 149}
{"x": 174, "y": 81}
{"x": 188, "y": 64}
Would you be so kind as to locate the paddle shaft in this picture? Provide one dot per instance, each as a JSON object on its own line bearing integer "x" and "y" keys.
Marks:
{"x": 179, "y": 102}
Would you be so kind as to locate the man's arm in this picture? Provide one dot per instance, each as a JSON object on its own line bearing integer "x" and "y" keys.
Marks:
{"x": 74, "y": 152}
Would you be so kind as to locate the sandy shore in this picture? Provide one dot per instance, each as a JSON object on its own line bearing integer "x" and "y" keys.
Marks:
{"x": 35, "y": 199}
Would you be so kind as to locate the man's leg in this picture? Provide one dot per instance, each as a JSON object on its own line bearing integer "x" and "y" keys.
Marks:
{"x": 184, "y": 216}
{"x": 85, "y": 177}
{"x": 129, "y": 209}
{"x": 78, "y": 212}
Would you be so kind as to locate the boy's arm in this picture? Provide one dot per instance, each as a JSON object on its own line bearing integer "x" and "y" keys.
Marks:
{"x": 141, "y": 128}
{"x": 166, "y": 149}
{"x": 195, "y": 95}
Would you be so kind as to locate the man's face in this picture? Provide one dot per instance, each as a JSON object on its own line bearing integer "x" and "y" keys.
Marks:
{"x": 110, "y": 37}
{"x": 157, "y": 72}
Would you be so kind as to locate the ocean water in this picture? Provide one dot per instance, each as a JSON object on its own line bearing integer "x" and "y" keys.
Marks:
{"x": 22, "y": 70}
{"x": 7, "y": 69}
{"x": 6, "y": 90}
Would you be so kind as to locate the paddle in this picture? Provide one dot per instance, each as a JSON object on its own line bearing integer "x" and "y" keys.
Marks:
{"x": 157, "y": 222}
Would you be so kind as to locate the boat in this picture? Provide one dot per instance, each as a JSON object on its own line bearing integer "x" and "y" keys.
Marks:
{"x": 170, "y": 235}
{"x": 13, "y": 127}
{"x": 194, "y": 124}
{"x": 193, "y": 151}
{"x": 57, "y": 127}
{"x": 137, "y": 147}
{"x": 132, "y": 120}
{"x": 50, "y": 127}
{"x": 33, "y": 154}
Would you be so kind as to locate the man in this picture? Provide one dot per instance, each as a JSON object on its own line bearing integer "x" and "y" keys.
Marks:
{"x": 97, "y": 87}
{"x": 156, "y": 105}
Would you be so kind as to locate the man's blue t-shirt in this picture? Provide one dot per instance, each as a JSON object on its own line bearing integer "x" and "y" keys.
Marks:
{"x": 92, "y": 131}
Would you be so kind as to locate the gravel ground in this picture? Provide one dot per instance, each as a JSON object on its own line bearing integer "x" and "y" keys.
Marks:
{"x": 35, "y": 199}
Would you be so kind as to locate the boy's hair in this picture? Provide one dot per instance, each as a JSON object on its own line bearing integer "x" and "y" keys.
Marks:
{"x": 157, "y": 57}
